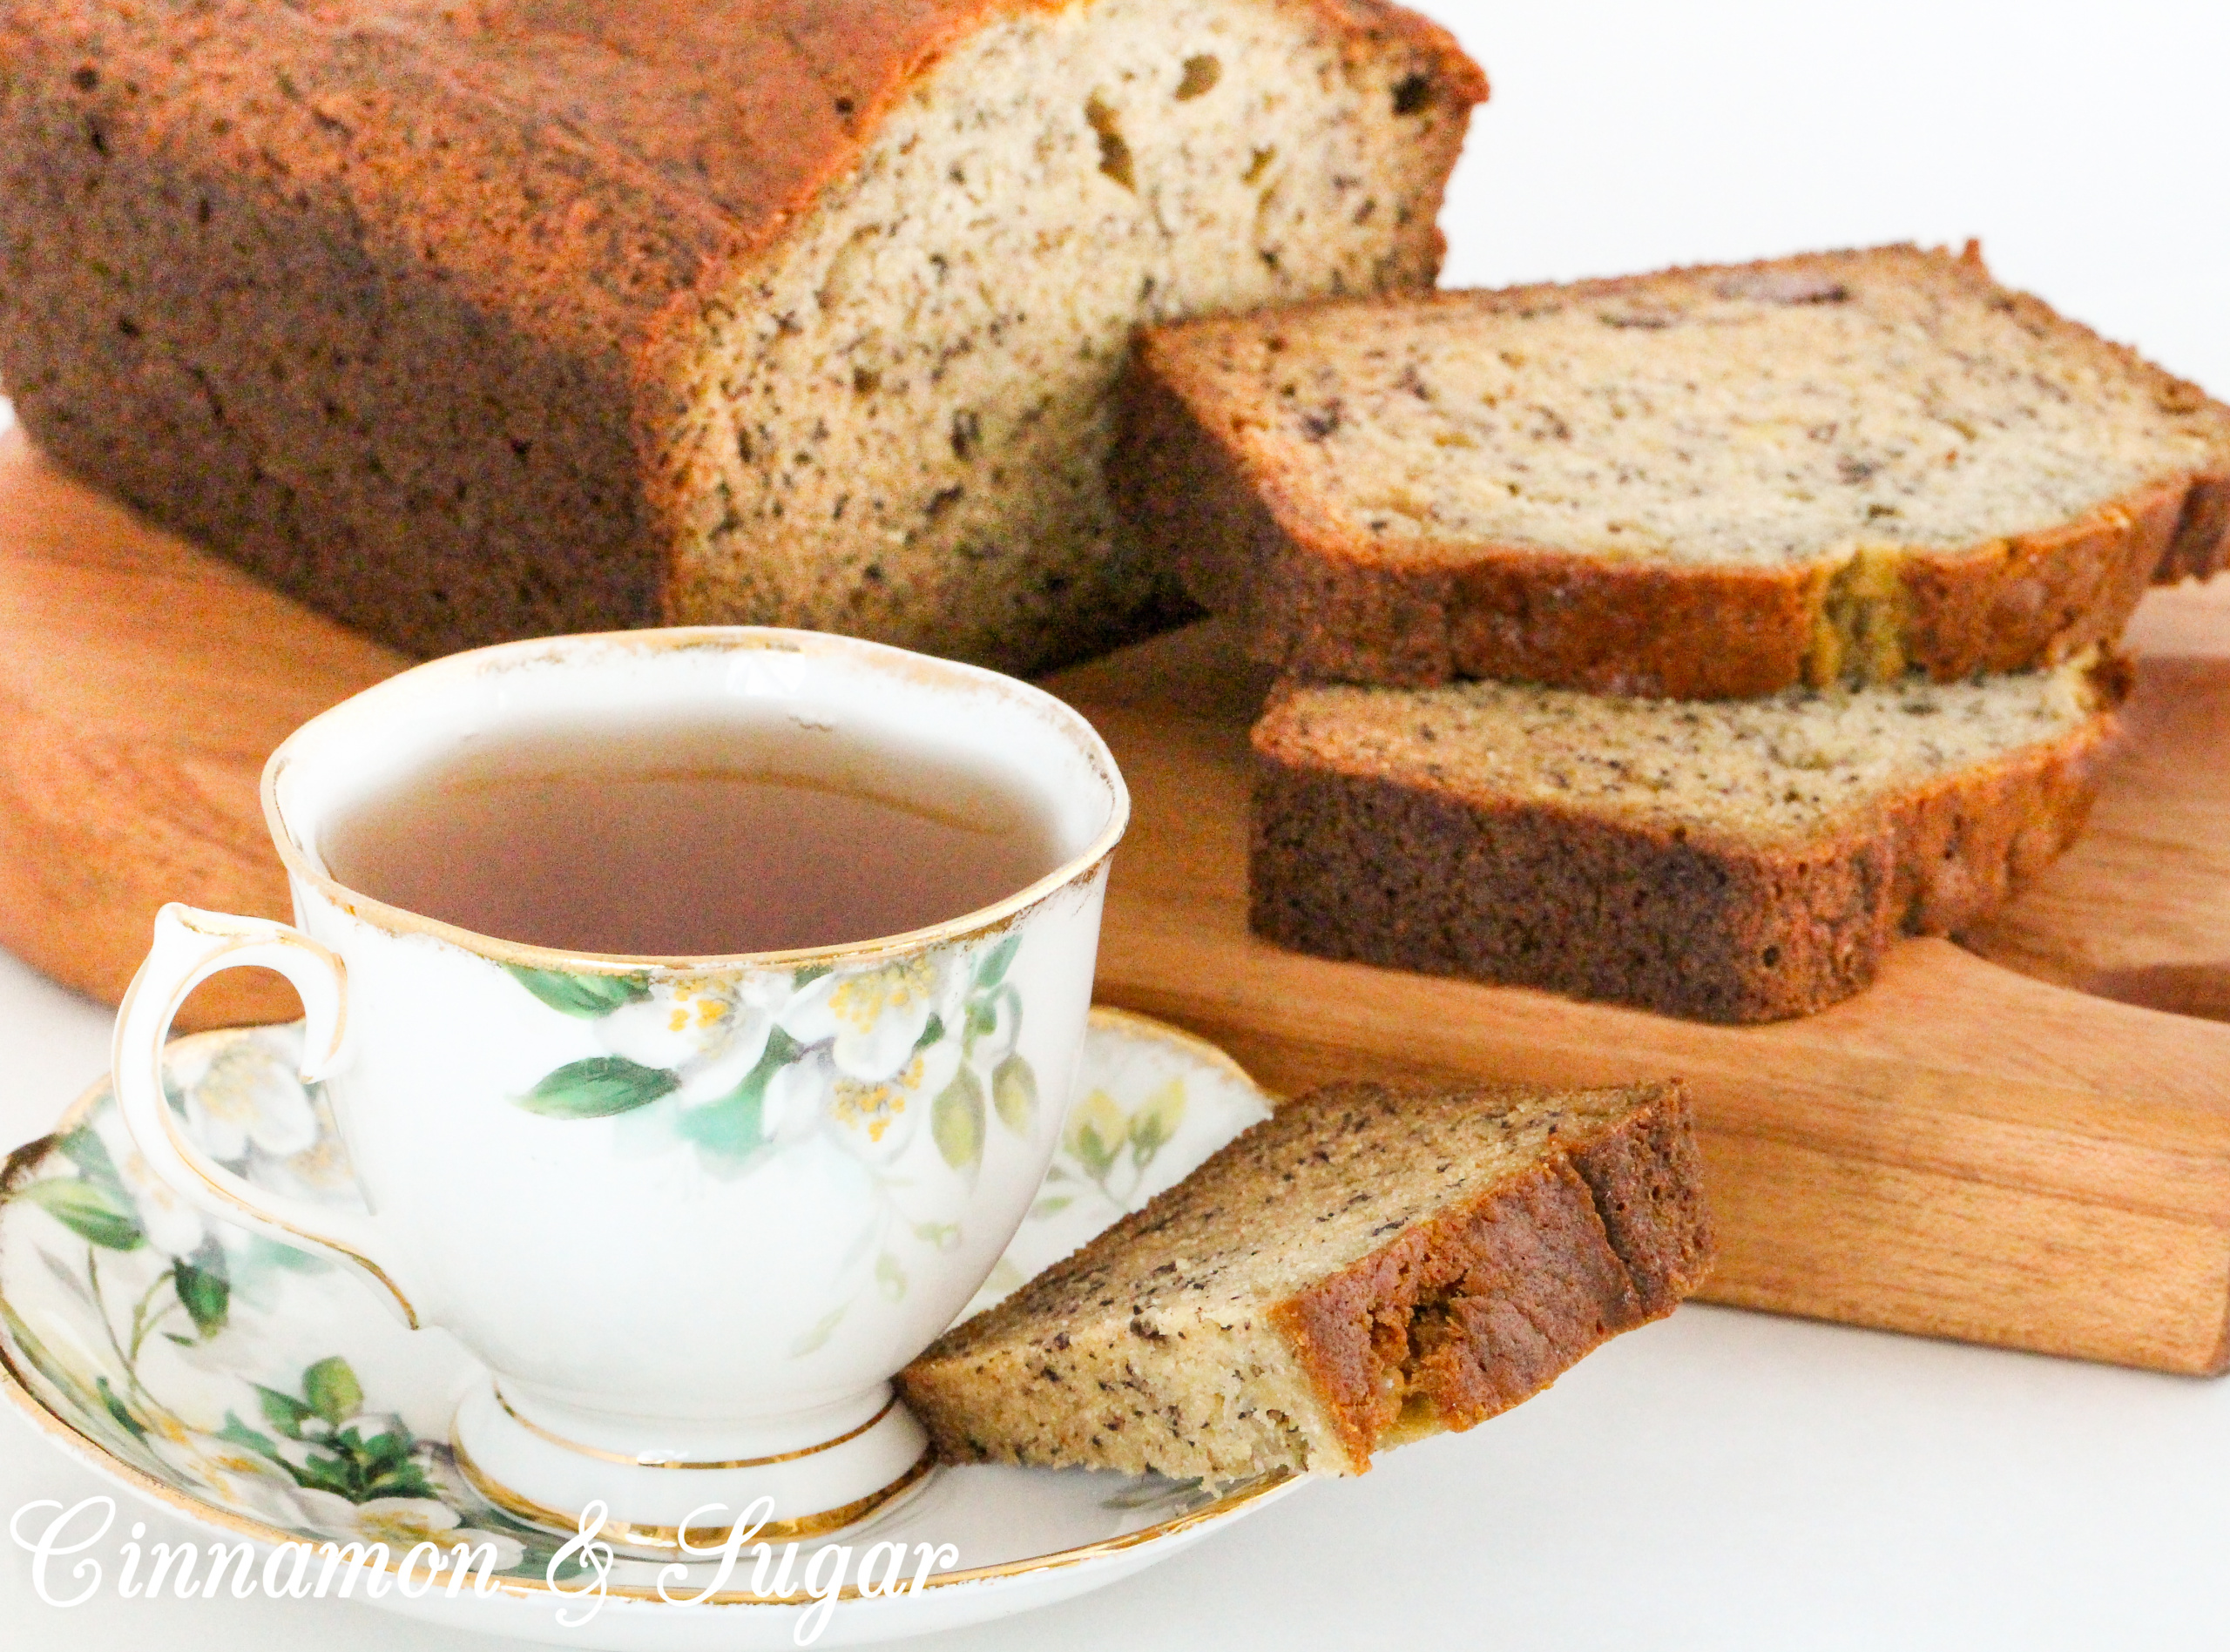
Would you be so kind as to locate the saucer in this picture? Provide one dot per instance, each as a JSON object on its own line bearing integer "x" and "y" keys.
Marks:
{"x": 259, "y": 1393}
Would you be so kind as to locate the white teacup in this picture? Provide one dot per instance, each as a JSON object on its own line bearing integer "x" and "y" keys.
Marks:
{"x": 687, "y": 1302}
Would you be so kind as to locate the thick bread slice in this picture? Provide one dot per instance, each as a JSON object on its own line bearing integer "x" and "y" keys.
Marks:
{"x": 464, "y": 322}
{"x": 1366, "y": 1266}
{"x": 1727, "y": 860}
{"x": 1702, "y": 484}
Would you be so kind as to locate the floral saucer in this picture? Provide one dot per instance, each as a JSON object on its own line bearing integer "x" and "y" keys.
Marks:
{"x": 261, "y": 1394}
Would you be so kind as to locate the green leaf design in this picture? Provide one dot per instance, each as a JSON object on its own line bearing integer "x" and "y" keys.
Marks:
{"x": 94, "y": 1214}
{"x": 945, "y": 1235}
{"x": 1053, "y": 1205}
{"x": 205, "y": 1288}
{"x": 597, "y": 1086}
{"x": 257, "y": 1441}
{"x": 331, "y": 1387}
{"x": 808, "y": 974}
{"x": 1098, "y": 1156}
{"x": 85, "y": 1149}
{"x": 734, "y": 1126}
{"x": 116, "y": 1408}
{"x": 359, "y": 1470}
{"x": 932, "y": 1030}
{"x": 588, "y": 996}
{"x": 323, "y": 1473}
{"x": 1014, "y": 1093}
{"x": 956, "y": 1121}
{"x": 819, "y": 1333}
{"x": 284, "y": 1412}
{"x": 1156, "y": 1120}
{"x": 890, "y": 1277}
{"x": 993, "y": 969}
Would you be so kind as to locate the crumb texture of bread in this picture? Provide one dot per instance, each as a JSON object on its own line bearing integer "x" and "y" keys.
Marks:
{"x": 1726, "y": 860}
{"x": 1366, "y": 1266}
{"x": 1701, "y": 484}
{"x": 464, "y": 323}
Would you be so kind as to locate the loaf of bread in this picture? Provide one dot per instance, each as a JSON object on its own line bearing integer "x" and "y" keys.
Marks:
{"x": 1366, "y": 1266}
{"x": 1726, "y": 860}
{"x": 1702, "y": 484}
{"x": 464, "y": 322}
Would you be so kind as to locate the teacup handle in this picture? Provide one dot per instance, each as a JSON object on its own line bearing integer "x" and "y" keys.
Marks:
{"x": 191, "y": 946}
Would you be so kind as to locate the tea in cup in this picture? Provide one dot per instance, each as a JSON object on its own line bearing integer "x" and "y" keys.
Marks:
{"x": 699, "y": 1008}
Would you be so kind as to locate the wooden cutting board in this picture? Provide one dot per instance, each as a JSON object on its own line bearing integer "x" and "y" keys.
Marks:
{"x": 1987, "y": 1147}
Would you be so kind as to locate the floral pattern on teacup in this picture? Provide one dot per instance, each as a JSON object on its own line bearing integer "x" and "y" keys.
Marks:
{"x": 756, "y": 1057}
{"x": 747, "y": 1063}
{"x": 267, "y": 1386}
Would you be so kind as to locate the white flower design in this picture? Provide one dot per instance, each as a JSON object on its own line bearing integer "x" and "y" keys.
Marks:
{"x": 873, "y": 1019}
{"x": 320, "y": 1171}
{"x": 709, "y": 1031}
{"x": 401, "y": 1523}
{"x": 244, "y": 1099}
{"x": 875, "y": 1119}
{"x": 240, "y": 1480}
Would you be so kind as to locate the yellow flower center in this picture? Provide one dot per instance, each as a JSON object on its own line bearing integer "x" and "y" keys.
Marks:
{"x": 862, "y": 1000}
{"x": 706, "y": 1008}
{"x": 861, "y": 1106}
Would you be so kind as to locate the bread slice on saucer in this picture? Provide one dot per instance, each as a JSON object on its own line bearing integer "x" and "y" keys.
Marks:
{"x": 1728, "y": 860}
{"x": 1703, "y": 483}
{"x": 1366, "y": 1266}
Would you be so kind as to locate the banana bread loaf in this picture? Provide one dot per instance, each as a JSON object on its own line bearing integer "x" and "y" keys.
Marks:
{"x": 463, "y": 322}
{"x": 1366, "y": 1266}
{"x": 1727, "y": 860}
{"x": 1706, "y": 482}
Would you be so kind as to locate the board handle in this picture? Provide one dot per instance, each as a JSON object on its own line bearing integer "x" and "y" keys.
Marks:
{"x": 190, "y": 946}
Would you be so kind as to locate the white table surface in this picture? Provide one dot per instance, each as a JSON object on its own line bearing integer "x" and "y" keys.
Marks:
{"x": 1724, "y": 1480}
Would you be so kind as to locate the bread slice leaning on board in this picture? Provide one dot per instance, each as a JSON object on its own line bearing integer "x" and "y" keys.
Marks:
{"x": 1728, "y": 860}
{"x": 1366, "y": 1266}
{"x": 467, "y": 322}
{"x": 1703, "y": 483}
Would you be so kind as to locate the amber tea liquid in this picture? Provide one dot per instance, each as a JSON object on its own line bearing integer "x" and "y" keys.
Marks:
{"x": 694, "y": 839}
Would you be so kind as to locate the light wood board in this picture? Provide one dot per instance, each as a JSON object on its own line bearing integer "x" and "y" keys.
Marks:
{"x": 1971, "y": 1148}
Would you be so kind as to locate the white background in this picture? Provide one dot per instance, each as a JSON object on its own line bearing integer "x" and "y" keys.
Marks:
{"x": 1722, "y": 1481}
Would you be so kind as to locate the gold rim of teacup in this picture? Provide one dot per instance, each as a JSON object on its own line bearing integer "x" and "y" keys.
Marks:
{"x": 304, "y": 862}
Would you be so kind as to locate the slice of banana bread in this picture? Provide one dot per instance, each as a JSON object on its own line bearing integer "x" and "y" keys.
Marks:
{"x": 1367, "y": 1265}
{"x": 1728, "y": 860}
{"x": 1701, "y": 484}
{"x": 465, "y": 322}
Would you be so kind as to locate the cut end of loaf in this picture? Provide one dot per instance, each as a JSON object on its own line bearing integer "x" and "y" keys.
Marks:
{"x": 900, "y": 428}
{"x": 803, "y": 315}
{"x": 1370, "y": 1267}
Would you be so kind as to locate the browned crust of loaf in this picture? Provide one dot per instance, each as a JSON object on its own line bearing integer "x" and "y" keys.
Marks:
{"x": 1317, "y": 600}
{"x": 1359, "y": 866}
{"x": 449, "y": 256}
{"x": 1491, "y": 1300}
{"x": 1460, "y": 1316}
{"x": 2201, "y": 546}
